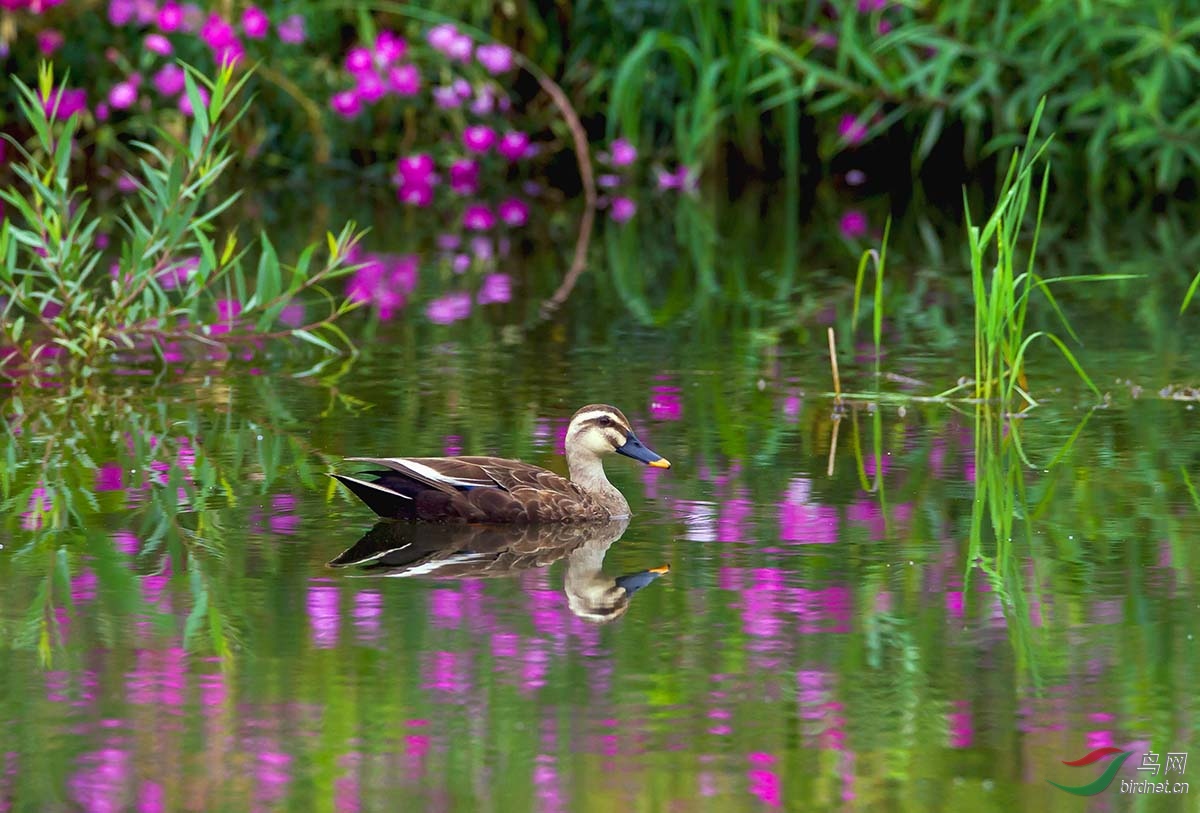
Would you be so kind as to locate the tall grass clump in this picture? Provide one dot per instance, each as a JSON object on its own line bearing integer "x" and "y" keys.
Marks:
{"x": 1003, "y": 278}
{"x": 171, "y": 275}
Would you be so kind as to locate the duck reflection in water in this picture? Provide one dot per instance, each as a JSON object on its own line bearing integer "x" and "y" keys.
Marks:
{"x": 403, "y": 549}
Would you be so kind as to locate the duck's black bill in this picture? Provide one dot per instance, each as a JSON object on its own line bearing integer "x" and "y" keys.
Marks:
{"x": 636, "y": 581}
{"x": 638, "y": 451}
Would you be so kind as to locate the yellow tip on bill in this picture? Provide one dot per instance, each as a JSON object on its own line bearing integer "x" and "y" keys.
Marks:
{"x": 661, "y": 463}
{"x": 662, "y": 569}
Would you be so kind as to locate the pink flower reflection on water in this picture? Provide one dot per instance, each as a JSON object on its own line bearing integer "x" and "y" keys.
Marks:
{"x": 804, "y": 521}
{"x": 324, "y": 613}
{"x": 959, "y": 724}
{"x": 99, "y": 786}
{"x": 734, "y": 518}
{"x": 445, "y": 607}
{"x": 666, "y": 403}
{"x": 446, "y": 672}
{"x": 764, "y": 781}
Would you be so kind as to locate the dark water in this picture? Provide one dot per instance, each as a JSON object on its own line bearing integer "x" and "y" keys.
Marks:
{"x": 914, "y": 618}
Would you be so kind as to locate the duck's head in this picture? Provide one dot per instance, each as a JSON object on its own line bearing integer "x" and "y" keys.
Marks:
{"x": 602, "y": 429}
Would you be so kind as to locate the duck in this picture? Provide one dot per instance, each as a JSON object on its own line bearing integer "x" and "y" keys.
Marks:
{"x": 430, "y": 551}
{"x": 502, "y": 491}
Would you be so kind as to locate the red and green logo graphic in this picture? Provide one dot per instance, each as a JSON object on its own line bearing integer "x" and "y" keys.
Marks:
{"x": 1103, "y": 780}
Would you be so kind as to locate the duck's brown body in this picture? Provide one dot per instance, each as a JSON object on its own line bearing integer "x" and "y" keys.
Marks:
{"x": 472, "y": 489}
{"x": 496, "y": 490}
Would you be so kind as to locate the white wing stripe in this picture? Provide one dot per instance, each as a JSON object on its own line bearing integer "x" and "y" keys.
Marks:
{"x": 375, "y": 486}
{"x": 430, "y": 473}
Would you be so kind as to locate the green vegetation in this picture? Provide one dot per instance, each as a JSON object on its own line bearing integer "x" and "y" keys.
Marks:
{"x": 174, "y": 280}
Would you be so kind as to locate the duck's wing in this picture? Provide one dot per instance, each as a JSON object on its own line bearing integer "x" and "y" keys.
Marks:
{"x": 471, "y": 489}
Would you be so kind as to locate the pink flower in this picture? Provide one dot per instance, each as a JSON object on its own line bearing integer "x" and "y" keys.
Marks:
{"x": 513, "y": 145}
{"x": 168, "y": 80}
{"x": 346, "y": 104}
{"x": 291, "y": 30}
{"x": 122, "y": 96}
{"x": 682, "y": 178}
{"x": 255, "y": 23}
{"x": 63, "y": 103}
{"x": 851, "y": 130}
{"x": 622, "y": 209}
{"x": 867, "y": 6}
{"x": 229, "y": 54}
{"x": 609, "y": 181}
{"x": 389, "y": 47}
{"x": 370, "y": 87}
{"x": 441, "y": 37}
{"x": 484, "y": 103}
{"x": 358, "y": 60}
{"x": 496, "y": 288}
{"x": 479, "y": 138}
{"x": 415, "y": 169}
{"x": 464, "y": 177}
{"x": 495, "y": 59}
{"x": 478, "y": 218}
{"x": 853, "y": 224}
{"x": 460, "y": 48}
{"x": 449, "y": 308}
{"x": 384, "y": 281}
{"x": 445, "y": 98}
{"x": 217, "y": 34}
{"x": 404, "y": 80}
{"x": 623, "y": 153}
{"x": 120, "y": 12}
{"x": 49, "y": 41}
{"x": 158, "y": 44}
{"x": 185, "y": 104}
{"x": 415, "y": 194}
{"x": 170, "y": 18}
{"x": 513, "y": 211}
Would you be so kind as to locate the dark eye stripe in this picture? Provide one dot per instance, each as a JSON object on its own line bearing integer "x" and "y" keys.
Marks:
{"x": 620, "y": 427}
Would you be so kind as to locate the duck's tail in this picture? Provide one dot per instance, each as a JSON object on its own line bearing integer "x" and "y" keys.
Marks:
{"x": 384, "y": 501}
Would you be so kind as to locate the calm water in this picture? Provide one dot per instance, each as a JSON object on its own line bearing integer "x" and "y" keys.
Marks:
{"x": 840, "y": 628}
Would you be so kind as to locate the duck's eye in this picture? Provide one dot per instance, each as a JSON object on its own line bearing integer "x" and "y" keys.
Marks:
{"x": 606, "y": 421}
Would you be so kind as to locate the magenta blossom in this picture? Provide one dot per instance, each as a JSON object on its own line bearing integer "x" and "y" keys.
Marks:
{"x": 464, "y": 177}
{"x": 404, "y": 80}
{"x": 513, "y": 145}
{"x": 384, "y": 282}
{"x": 460, "y": 48}
{"x": 49, "y": 41}
{"x": 217, "y": 34}
{"x": 62, "y": 104}
{"x": 440, "y": 36}
{"x": 622, "y": 209}
{"x": 495, "y": 59}
{"x": 120, "y": 12}
{"x": 445, "y": 98}
{"x": 608, "y": 181}
{"x": 420, "y": 194}
{"x": 853, "y": 224}
{"x": 415, "y": 169}
{"x": 389, "y": 47}
{"x": 449, "y": 308}
{"x": 170, "y": 18}
{"x": 292, "y": 30}
{"x": 479, "y": 138}
{"x": 370, "y": 87}
{"x": 122, "y": 95}
{"x": 623, "y": 153}
{"x": 346, "y": 104}
{"x": 255, "y": 23}
{"x": 168, "y": 80}
{"x": 358, "y": 60}
{"x": 513, "y": 211}
{"x": 478, "y": 218}
{"x": 496, "y": 288}
{"x": 158, "y": 44}
{"x": 682, "y": 178}
{"x": 851, "y": 130}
